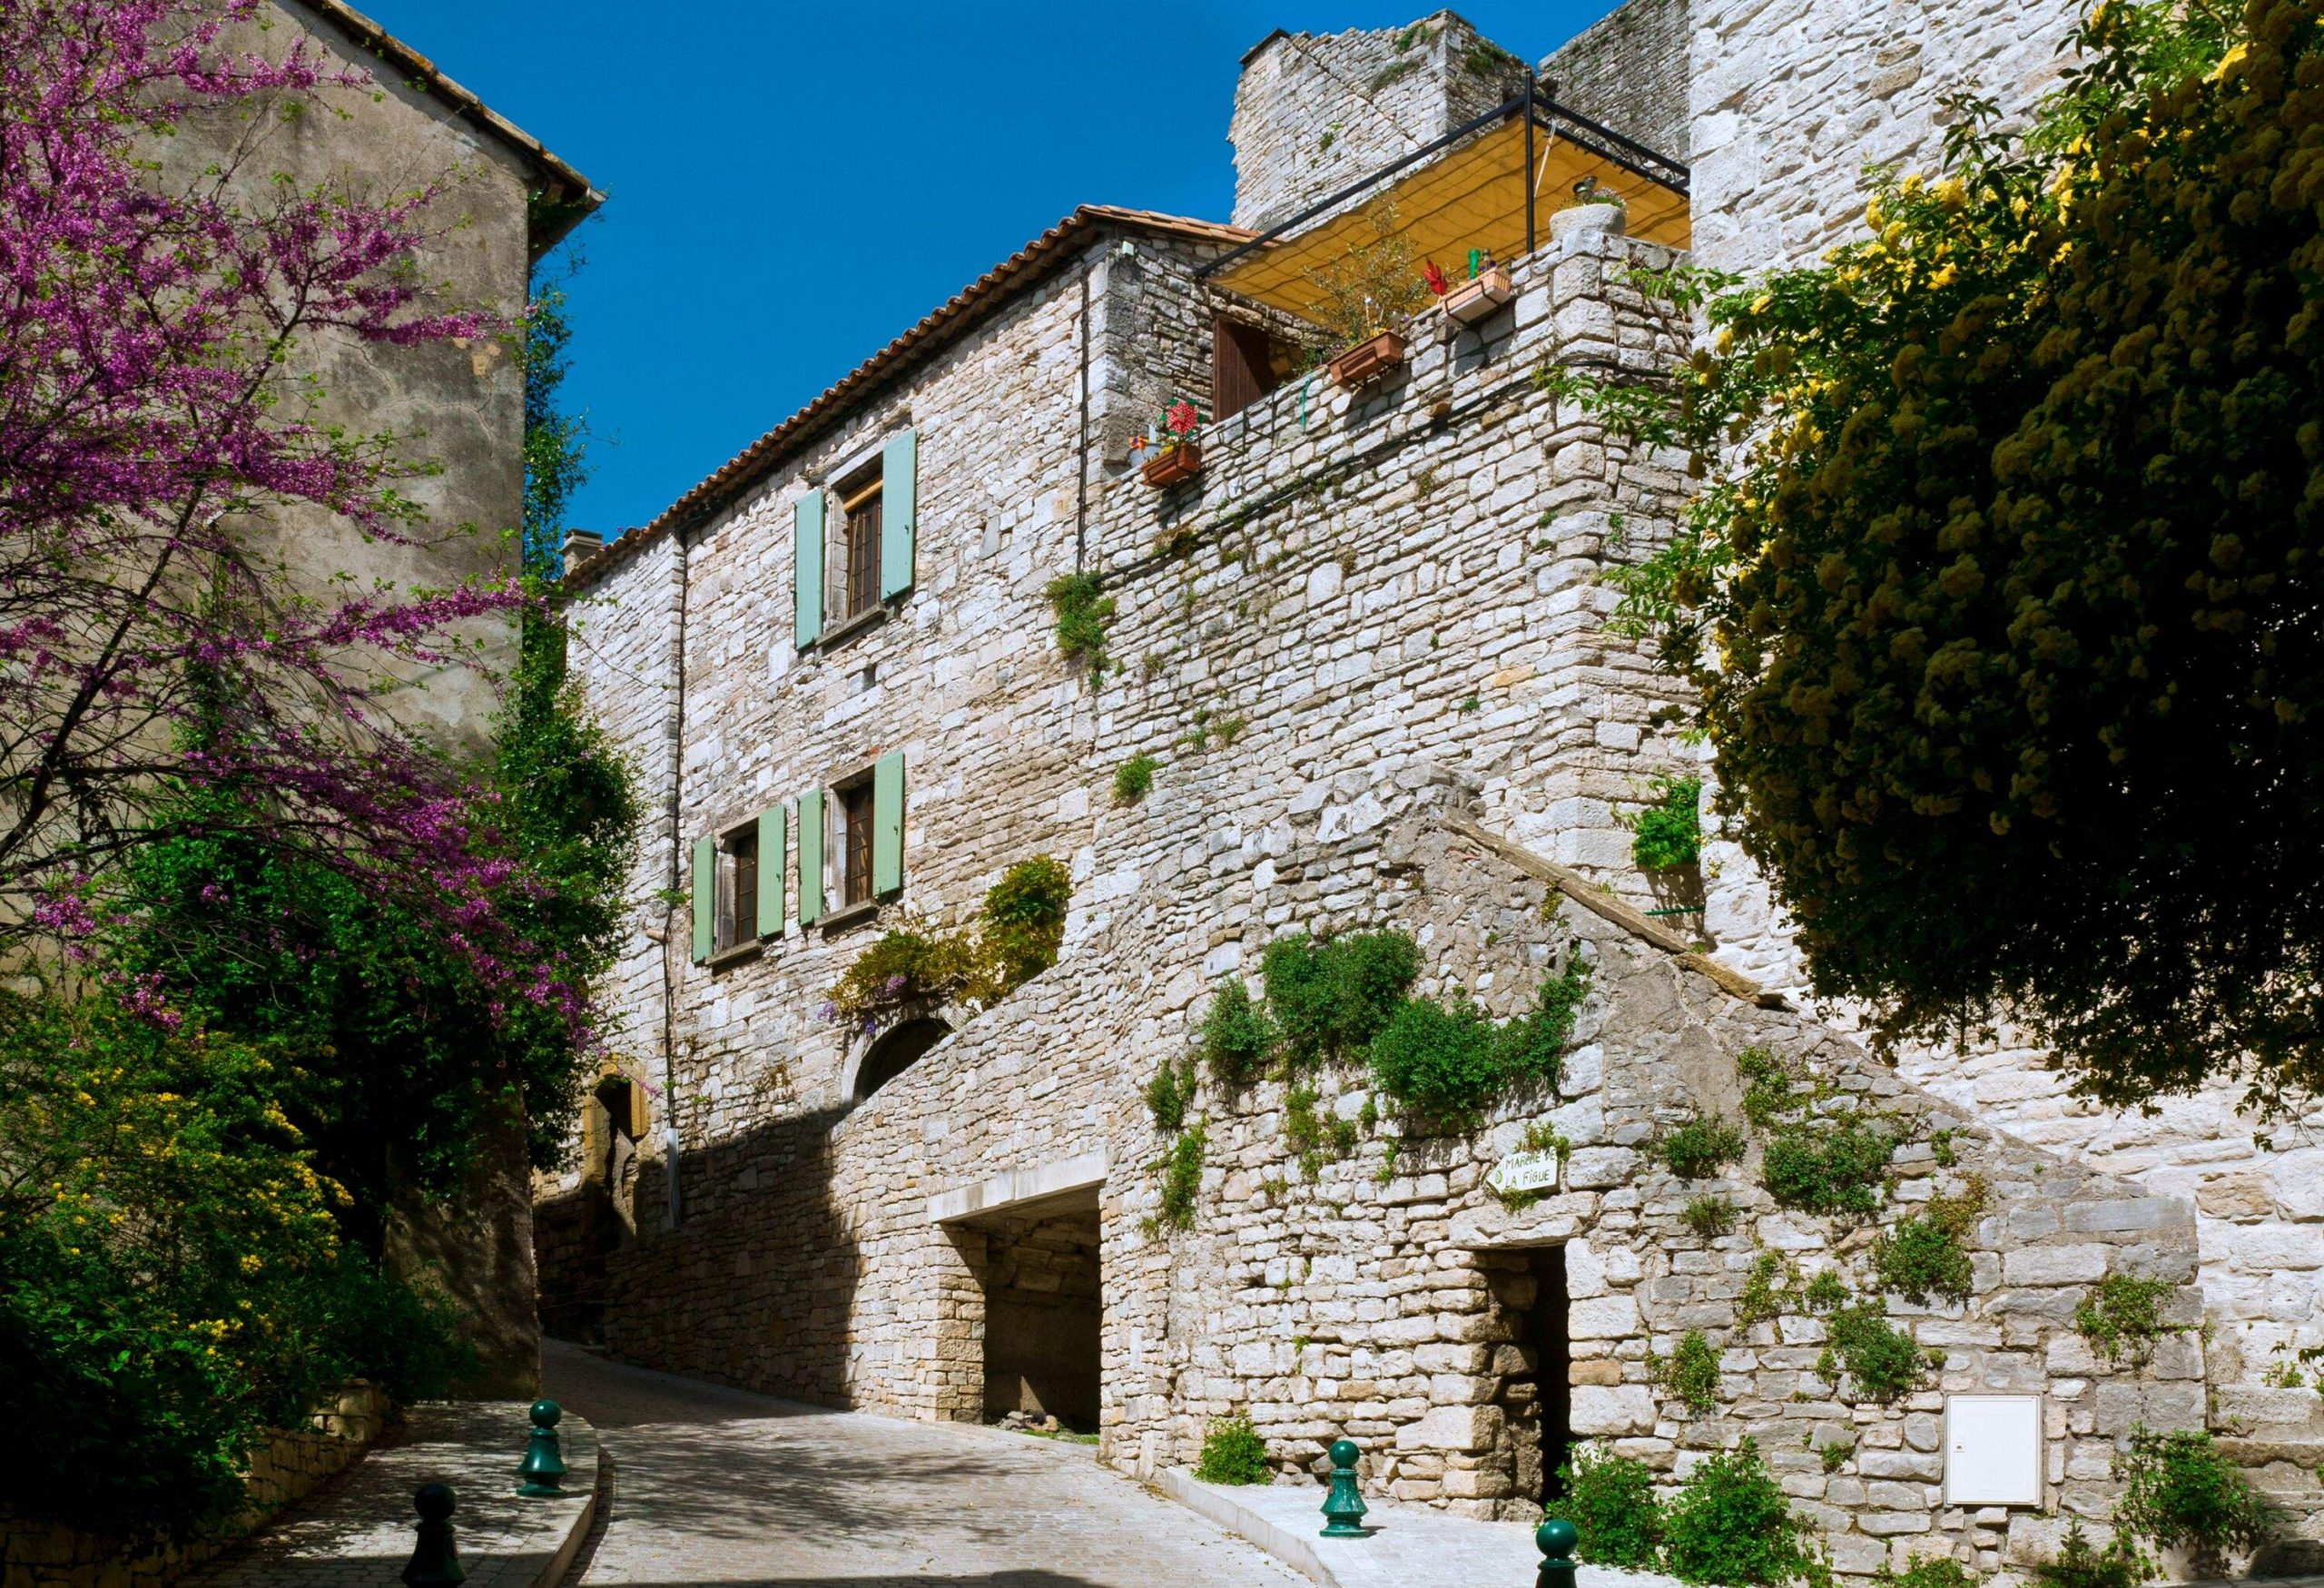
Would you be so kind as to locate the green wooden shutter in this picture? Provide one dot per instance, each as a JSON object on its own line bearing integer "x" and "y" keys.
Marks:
{"x": 888, "y": 823}
{"x": 811, "y": 857}
{"x": 899, "y": 507}
{"x": 705, "y": 897}
{"x": 807, "y": 566}
{"x": 771, "y": 847}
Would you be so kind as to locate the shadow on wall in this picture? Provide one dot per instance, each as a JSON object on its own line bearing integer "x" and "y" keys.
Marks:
{"x": 755, "y": 1287}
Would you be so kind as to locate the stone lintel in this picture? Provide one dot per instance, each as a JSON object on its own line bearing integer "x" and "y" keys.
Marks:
{"x": 1018, "y": 1189}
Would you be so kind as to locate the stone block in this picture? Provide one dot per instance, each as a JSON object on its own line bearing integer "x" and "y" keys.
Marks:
{"x": 1616, "y": 1409}
{"x": 2054, "y": 1265}
{"x": 1465, "y": 1428}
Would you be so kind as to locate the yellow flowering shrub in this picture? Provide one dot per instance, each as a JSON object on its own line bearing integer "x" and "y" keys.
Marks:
{"x": 2001, "y": 594}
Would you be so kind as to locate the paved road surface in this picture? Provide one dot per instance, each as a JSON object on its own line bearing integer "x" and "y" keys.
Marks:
{"x": 714, "y": 1485}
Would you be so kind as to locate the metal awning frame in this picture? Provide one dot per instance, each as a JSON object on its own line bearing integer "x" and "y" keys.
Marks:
{"x": 1541, "y": 114}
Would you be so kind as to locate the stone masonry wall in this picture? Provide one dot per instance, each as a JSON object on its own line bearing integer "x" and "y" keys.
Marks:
{"x": 1315, "y": 112}
{"x": 1793, "y": 99}
{"x": 1790, "y": 102}
{"x": 285, "y": 1465}
{"x": 1629, "y": 70}
{"x": 1369, "y": 610}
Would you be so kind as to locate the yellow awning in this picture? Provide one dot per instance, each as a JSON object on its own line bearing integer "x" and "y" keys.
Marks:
{"x": 1473, "y": 197}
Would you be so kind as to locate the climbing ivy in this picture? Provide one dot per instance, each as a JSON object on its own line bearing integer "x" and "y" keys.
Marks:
{"x": 1691, "y": 1373}
{"x": 1082, "y": 610}
{"x": 1924, "y": 1256}
{"x": 2122, "y": 1318}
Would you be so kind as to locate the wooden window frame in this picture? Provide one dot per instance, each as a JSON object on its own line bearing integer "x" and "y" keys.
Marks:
{"x": 862, "y": 498}
{"x": 853, "y": 820}
{"x": 735, "y": 889}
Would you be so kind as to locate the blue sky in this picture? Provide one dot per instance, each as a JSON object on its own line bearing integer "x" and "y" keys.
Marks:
{"x": 789, "y": 187}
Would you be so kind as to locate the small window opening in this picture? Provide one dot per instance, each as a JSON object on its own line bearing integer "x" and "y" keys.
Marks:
{"x": 860, "y": 511}
{"x": 852, "y": 820}
{"x": 1246, "y": 362}
{"x": 738, "y": 912}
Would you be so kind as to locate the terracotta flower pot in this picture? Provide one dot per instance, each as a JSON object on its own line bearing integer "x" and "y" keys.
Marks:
{"x": 1474, "y": 299}
{"x": 1369, "y": 360}
{"x": 1173, "y": 464}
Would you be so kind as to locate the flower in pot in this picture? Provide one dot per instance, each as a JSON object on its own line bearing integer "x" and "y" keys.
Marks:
{"x": 1177, "y": 456}
{"x": 1486, "y": 290}
{"x": 1364, "y": 298}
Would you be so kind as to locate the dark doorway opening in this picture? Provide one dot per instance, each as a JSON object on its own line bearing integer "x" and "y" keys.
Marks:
{"x": 1044, "y": 1315}
{"x": 896, "y": 1051}
{"x": 1553, "y": 1353}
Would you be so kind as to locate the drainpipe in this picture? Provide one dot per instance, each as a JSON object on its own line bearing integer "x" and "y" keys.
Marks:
{"x": 1082, "y": 501}
{"x": 670, "y": 927}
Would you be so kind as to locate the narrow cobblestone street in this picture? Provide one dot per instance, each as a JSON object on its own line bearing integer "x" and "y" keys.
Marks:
{"x": 714, "y": 1485}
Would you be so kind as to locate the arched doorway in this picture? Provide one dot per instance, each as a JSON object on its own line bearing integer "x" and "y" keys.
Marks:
{"x": 896, "y": 1051}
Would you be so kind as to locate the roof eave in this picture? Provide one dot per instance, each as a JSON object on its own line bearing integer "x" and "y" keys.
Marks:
{"x": 564, "y": 198}
{"x": 928, "y": 335}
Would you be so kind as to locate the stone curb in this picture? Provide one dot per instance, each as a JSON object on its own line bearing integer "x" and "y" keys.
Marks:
{"x": 1220, "y": 1505}
{"x": 359, "y": 1533}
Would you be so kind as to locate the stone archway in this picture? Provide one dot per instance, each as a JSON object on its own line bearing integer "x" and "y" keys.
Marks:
{"x": 895, "y": 1050}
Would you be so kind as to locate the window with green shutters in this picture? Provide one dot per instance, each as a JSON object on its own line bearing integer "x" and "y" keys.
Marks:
{"x": 856, "y": 545}
{"x": 737, "y": 884}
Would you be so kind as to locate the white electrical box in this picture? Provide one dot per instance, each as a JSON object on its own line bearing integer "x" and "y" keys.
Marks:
{"x": 1992, "y": 1450}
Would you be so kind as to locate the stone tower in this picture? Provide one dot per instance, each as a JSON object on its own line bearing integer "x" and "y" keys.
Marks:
{"x": 1315, "y": 112}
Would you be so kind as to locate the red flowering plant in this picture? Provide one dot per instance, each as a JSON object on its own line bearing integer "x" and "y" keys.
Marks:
{"x": 166, "y": 625}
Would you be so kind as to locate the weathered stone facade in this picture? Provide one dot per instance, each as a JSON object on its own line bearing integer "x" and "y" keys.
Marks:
{"x": 1317, "y": 112}
{"x": 458, "y": 409}
{"x": 1629, "y": 70}
{"x": 1368, "y": 651}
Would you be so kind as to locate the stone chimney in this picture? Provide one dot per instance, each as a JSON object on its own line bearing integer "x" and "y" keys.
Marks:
{"x": 1315, "y": 112}
{"x": 580, "y": 546}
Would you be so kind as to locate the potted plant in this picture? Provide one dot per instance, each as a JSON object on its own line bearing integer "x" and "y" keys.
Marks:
{"x": 1486, "y": 290}
{"x": 1176, "y": 455}
{"x": 1363, "y": 299}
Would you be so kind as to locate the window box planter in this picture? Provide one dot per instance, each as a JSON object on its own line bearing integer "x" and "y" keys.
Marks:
{"x": 1173, "y": 464}
{"x": 1369, "y": 360}
{"x": 1479, "y": 296}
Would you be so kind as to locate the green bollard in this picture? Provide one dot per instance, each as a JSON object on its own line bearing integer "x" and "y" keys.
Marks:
{"x": 1343, "y": 1508}
{"x": 543, "y": 1468}
{"x": 1555, "y": 1539}
{"x": 435, "y": 1559}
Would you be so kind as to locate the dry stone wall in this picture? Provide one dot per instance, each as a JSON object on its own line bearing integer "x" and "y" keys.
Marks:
{"x": 1792, "y": 99}
{"x": 1628, "y": 71}
{"x": 1371, "y": 610}
{"x": 1317, "y": 112}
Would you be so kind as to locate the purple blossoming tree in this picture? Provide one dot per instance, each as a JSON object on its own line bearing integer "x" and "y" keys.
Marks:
{"x": 159, "y": 451}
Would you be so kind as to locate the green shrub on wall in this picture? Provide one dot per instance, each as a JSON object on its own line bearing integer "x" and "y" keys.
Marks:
{"x": 1612, "y": 1502}
{"x": 1731, "y": 1526}
{"x": 1828, "y": 1167}
{"x": 1082, "y": 610}
{"x": 1924, "y": 1256}
{"x": 2180, "y": 1490}
{"x": 1668, "y": 835}
{"x": 2079, "y": 1564}
{"x": 1236, "y": 1035}
{"x": 1329, "y": 997}
{"x": 1691, "y": 1373}
{"x": 1697, "y": 1149}
{"x": 1016, "y": 936}
{"x": 2122, "y": 1318}
{"x": 1234, "y": 1452}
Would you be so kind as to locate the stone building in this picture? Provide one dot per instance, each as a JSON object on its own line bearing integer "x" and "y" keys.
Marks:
{"x": 1364, "y": 653}
{"x": 504, "y": 200}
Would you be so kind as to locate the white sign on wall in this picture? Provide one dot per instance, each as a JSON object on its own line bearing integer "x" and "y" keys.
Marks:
{"x": 1992, "y": 1450}
{"x": 1525, "y": 1171}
